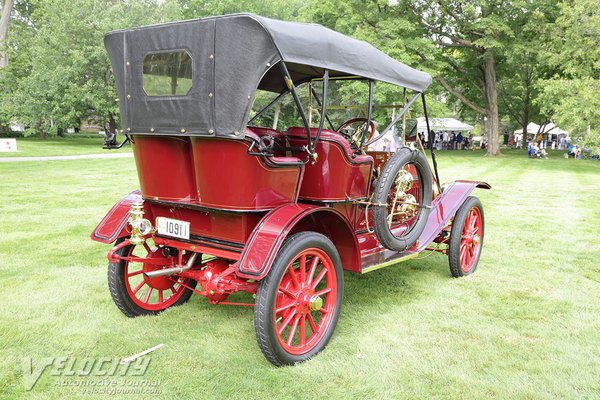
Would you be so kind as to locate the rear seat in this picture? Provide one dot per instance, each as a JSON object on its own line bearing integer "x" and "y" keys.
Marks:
{"x": 254, "y": 133}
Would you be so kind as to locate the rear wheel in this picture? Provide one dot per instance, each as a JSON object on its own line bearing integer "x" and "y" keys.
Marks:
{"x": 134, "y": 293}
{"x": 466, "y": 238}
{"x": 298, "y": 302}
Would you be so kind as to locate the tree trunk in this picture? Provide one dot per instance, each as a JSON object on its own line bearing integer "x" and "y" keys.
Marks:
{"x": 112, "y": 124}
{"x": 276, "y": 117}
{"x": 492, "y": 122}
{"x": 40, "y": 130}
{"x": 525, "y": 121}
{"x": 7, "y": 6}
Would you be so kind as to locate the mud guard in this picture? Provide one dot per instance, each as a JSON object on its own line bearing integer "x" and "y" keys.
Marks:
{"x": 114, "y": 223}
{"x": 268, "y": 236}
{"x": 444, "y": 207}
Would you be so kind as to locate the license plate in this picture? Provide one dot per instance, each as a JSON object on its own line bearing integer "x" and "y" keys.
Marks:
{"x": 173, "y": 227}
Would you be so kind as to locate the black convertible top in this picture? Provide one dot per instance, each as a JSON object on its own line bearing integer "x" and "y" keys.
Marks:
{"x": 232, "y": 56}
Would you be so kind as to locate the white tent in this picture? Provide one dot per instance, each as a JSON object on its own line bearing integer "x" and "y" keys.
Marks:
{"x": 443, "y": 124}
{"x": 550, "y": 129}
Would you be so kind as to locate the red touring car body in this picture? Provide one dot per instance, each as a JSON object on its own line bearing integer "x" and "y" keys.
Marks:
{"x": 225, "y": 206}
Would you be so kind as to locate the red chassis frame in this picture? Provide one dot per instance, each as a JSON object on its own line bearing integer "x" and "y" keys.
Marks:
{"x": 241, "y": 215}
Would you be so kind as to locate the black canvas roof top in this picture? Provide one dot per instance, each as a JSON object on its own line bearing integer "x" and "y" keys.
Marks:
{"x": 232, "y": 56}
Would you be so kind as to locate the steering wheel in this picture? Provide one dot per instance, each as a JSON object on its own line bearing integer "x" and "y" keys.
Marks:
{"x": 356, "y": 137}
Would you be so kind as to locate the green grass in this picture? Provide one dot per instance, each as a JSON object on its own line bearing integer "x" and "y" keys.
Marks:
{"x": 57, "y": 146}
{"x": 526, "y": 325}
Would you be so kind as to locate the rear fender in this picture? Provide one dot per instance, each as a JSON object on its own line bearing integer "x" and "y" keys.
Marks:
{"x": 444, "y": 207}
{"x": 114, "y": 224}
{"x": 268, "y": 236}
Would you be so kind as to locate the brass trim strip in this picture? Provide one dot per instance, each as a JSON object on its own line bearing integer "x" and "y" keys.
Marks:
{"x": 388, "y": 263}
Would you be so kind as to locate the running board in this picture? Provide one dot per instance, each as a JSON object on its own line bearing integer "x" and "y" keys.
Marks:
{"x": 384, "y": 259}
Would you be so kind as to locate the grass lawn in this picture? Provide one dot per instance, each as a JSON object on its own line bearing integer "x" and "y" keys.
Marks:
{"x": 526, "y": 325}
{"x": 57, "y": 146}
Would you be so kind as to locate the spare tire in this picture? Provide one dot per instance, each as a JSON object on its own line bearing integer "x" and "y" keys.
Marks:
{"x": 402, "y": 199}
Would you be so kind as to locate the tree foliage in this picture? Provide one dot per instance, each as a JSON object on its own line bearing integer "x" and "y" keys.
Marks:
{"x": 571, "y": 95}
{"x": 384, "y": 26}
{"x": 525, "y": 66}
{"x": 59, "y": 72}
{"x": 279, "y": 9}
{"x": 493, "y": 60}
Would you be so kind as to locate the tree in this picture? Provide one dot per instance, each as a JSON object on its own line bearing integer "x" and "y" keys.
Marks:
{"x": 525, "y": 65}
{"x": 279, "y": 9}
{"x": 386, "y": 27}
{"x": 471, "y": 37}
{"x": 5, "y": 12}
{"x": 62, "y": 73}
{"x": 571, "y": 95}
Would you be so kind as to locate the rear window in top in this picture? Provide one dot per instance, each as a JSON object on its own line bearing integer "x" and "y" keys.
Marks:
{"x": 167, "y": 74}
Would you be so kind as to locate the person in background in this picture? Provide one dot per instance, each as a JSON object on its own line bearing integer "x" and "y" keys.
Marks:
{"x": 535, "y": 150}
{"x": 445, "y": 139}
{"x": 505, "y": 138}
{"x": 538, "y": 140}
{"x": 459, "y": 141}
{"x": 386, "y": 143}
{"x": 452, "y": 143}
{"x": 511, "y": 140}
{"x": 381, "y": 143}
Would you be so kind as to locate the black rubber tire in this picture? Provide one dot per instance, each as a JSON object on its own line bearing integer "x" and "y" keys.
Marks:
{"x": 267, "y": 291}
{"x": 456, "y": 232}
{"x": 380, "y": 195}
{"x": 118, "y": 290}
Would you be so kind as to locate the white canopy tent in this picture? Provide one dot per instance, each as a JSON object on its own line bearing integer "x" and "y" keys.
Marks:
{"x": 548, "y": 131}
{"x": 443, "y": 124}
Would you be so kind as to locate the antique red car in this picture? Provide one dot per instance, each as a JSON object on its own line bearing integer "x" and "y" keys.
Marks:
{"x": 227, "y": 206}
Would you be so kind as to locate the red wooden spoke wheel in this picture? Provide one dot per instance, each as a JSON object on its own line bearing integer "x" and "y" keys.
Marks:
{"x": 298, "y": 303}
{"x": 466, "y": 238}
{"x": 134, "y": 293}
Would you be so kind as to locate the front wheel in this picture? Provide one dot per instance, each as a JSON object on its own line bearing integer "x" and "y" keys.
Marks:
{"x": 298, "y": 302}
{"x": 466, "y": 238}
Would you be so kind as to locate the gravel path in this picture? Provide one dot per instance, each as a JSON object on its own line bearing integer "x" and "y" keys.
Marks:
{"x": 58, "y": 158}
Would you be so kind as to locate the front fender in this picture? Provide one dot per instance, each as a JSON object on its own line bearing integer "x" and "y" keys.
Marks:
{"x": 113, "y": 225}
{"x": 268, "y": 236}
{"x": 444, "y": 207}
